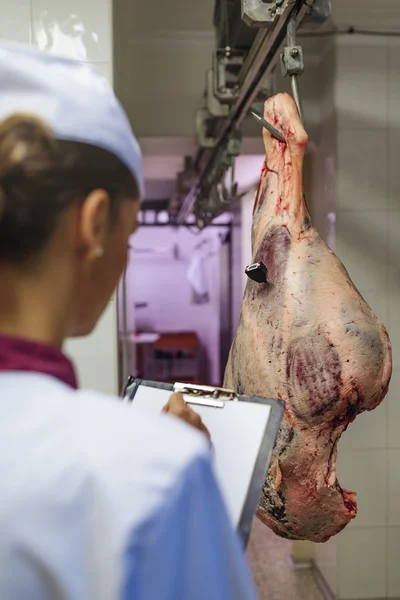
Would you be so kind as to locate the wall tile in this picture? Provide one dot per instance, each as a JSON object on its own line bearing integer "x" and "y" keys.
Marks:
{"x": 393, "y": 86}
{"x": 361, "y": 243}
{"x": 368, "y": 431}
{"x": 106, "y": 70}
{"x": 15, "y": 22}
{"x": 326, "y": 560}
{"x": 393, "y": 320}
{"x": 360, "y": 103}
{"x": 79, "y": 30}
{"x": 393, "y": 410}
{"x": 369, "y": 180}
{"x": 394, "y": 487}
{"x": 393, "y": 558}
{"x": 393, "y": 323}
{"x": 95, "y": 356}
{"x": 394, "y": 237}
{"x": 362, "y": 166}
{"x": 393, "y": 166}
{"x": 362, "y": 563}
{"x": 365, "y": 472}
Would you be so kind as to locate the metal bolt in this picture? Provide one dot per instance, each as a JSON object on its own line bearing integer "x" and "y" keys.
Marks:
{"x": 294, "y": 52}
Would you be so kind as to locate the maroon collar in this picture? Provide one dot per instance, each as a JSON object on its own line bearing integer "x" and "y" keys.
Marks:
{"x": 18, "y": 354}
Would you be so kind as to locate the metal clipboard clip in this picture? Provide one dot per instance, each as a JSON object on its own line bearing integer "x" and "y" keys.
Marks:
{"x": 205, "y": 395}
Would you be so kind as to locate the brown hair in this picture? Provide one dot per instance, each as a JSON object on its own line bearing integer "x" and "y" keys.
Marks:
{"x": 41, "y": 176}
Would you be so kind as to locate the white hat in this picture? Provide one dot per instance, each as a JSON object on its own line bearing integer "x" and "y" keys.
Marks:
{"x": 74, "y": 100}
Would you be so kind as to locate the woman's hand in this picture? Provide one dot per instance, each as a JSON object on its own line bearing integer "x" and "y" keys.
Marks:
{"x": 176, "y": 406}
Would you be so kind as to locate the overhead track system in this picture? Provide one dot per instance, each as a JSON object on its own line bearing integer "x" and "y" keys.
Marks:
{"x": 233, "y": 85}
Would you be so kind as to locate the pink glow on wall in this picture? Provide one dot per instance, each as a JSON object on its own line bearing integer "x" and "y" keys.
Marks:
{"x": 160, "y": 282}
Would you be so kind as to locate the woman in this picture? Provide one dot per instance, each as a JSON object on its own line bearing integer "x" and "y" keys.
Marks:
{"x": 98, "y": 500}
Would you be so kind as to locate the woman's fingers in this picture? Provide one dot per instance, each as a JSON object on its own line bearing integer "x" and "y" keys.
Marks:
{"x": 177, "y": 407}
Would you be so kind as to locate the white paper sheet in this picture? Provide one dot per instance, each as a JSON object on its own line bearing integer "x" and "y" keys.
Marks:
{"x": 237, "y": 431}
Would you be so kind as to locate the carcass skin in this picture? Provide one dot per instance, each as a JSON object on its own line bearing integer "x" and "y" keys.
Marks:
{"x": 307, "y": 337}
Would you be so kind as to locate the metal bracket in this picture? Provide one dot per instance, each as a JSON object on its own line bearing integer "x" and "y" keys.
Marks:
{"x": 205, "y": 395}
{"x": 226, "y": 67}
{"x": 292, "y": 61}
{"x": 319, "y": 12}
{"x": 216, "y": 192}
{"x": 203, "y": 116}
{"x": 214, "y": 106}
{"x": 262, "y": 95}
{"x": 226, "y": 155}
{"x": 185, "y": 180}
{"x": 232, "y": 150}
{"x": 259, "y": 13}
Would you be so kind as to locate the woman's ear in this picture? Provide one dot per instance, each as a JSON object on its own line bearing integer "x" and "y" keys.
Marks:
{"x": 93, "y": 224}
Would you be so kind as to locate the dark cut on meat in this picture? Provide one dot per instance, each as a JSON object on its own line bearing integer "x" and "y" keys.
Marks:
{"x": 307, "y": 337}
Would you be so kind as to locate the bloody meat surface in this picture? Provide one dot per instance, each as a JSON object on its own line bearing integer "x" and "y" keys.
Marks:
{"x": 308, "y": 337}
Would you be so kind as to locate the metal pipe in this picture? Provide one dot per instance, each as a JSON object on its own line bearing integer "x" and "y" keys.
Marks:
{"x": 296, "y": 96}
{"x": 291, "y": 41}
{"x": 291, "y": 30}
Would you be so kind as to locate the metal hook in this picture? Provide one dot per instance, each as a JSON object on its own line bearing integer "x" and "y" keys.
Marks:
{"x": 292, "y": 62}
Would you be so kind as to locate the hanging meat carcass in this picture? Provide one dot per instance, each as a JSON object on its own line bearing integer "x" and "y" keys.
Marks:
{"x": 307, "y": 337}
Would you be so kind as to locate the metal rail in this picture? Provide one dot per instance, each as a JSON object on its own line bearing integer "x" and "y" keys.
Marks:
{"x": 261, "y": 60}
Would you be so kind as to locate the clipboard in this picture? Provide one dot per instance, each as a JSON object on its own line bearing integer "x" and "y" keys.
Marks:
{"x": 243, "y": 431}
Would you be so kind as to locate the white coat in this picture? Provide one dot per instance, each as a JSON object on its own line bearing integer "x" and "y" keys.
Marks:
{"x": 101, "y": 502}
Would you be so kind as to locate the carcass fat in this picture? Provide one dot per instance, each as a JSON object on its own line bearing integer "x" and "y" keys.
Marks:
{"x": 307, "y": 337}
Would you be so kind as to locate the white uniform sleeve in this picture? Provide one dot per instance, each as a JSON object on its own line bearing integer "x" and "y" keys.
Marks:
{"x": 189, "y": 551}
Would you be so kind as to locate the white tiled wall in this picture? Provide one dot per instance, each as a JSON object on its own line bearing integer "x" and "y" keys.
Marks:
{"x": 326, "y": 560}
{"x": 362, "y": 563}
{"x": 393, "y": 548}
{"x": 16, "y": 23}
{"x": 95, "y": 357}
{"x": 83, "y": 31}
{"x": 322, "y": 204}
{"x": 361, "y": 84}
{"x": 367, "y": 140}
